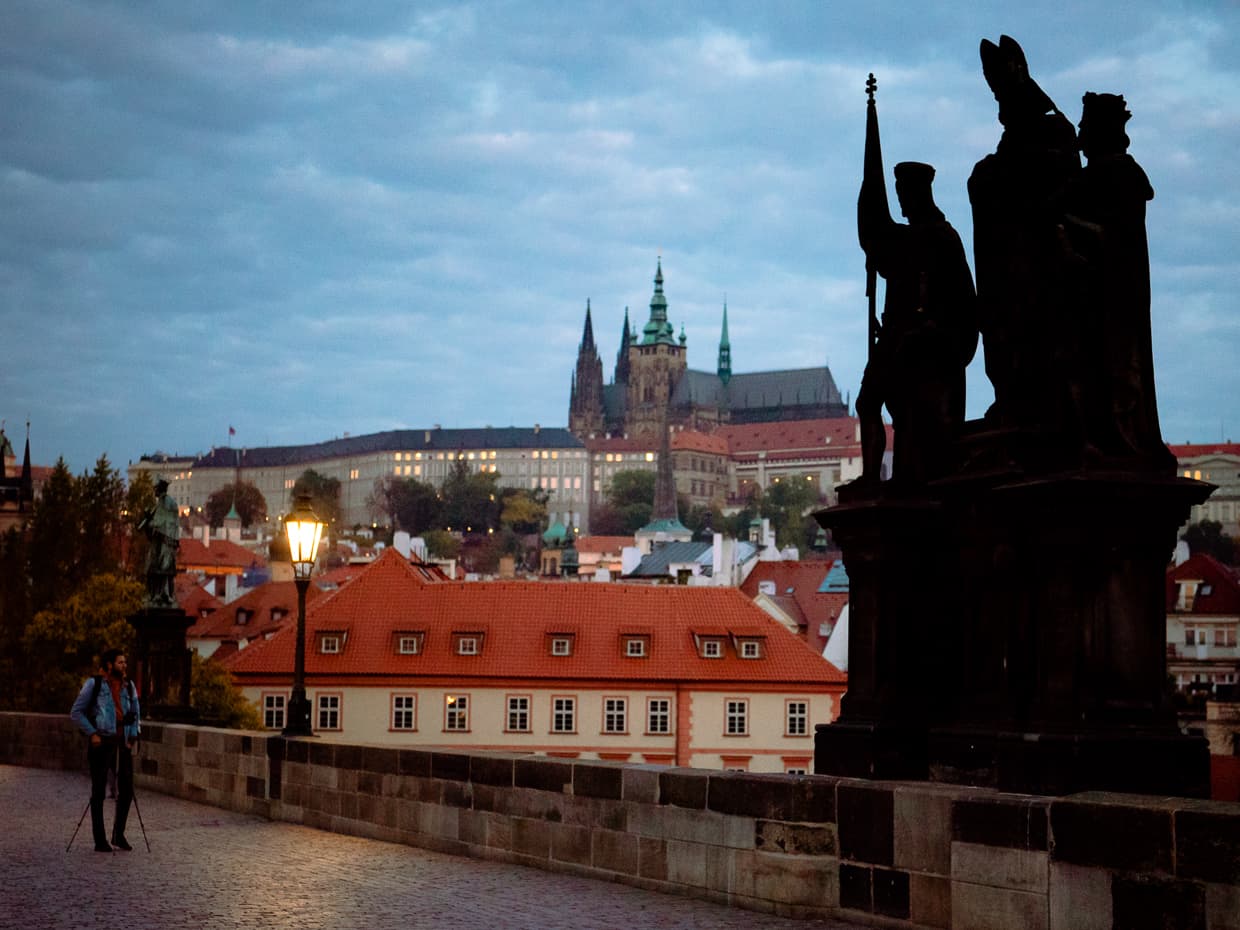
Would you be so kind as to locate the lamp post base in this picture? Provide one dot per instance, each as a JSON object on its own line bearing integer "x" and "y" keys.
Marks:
{"x": 298, "y": 716}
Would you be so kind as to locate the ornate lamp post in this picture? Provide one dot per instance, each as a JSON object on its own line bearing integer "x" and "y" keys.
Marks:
{"x": 303, "y": 529}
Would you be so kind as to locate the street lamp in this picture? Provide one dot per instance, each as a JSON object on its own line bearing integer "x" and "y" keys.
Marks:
{"x": 303, "y": 529}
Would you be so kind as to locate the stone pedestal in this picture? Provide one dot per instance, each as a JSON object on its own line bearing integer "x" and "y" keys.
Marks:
{"x": 889, "y": 548}
{"x": 163, "y": 664}
{"x": 1011, "y": 632}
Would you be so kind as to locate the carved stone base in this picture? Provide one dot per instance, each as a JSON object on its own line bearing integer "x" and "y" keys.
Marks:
{"x": 163, "y": 664}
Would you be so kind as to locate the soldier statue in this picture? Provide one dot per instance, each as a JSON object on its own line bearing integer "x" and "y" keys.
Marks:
{"x": 928, "y": 332}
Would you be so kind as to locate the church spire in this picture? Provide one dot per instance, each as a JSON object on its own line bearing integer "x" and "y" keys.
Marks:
{"x": 25, "y": 494}
{"x": 665, "y": 485}
{"x": 587, "y": 336}
{"x": 622, "y": 356}
{"x": 725, "y": 349}
{"x": 658, "y": 329}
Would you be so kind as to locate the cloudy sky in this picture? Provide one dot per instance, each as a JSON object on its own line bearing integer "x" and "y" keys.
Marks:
{"x": 305, "y": 220}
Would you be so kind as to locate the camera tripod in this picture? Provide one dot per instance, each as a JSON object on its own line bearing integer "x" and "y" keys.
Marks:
{"x": 137, "y": 808}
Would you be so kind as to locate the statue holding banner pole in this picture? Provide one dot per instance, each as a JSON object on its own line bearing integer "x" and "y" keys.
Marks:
{"x": 928, "y": 331}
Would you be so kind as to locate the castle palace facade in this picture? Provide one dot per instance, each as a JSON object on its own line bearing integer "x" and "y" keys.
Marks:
{"x": 653, "y": 386}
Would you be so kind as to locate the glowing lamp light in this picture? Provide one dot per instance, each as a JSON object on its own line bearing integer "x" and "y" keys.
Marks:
{"x": 304, "y": 529}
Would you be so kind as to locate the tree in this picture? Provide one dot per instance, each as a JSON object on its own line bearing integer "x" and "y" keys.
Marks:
{"x": 15, "y": 615}
{"x": 220, "y": 702}
{"x": 62, "y": 644}
{"x": 246, "y": 497}
{"x": 55, "y": 528}
{"x": 470, "y": 499}
{"x": 523, "y": 511}
{"x": 417, "y": 506}
{"x": 324, "y": 497}
{"x": 786, "y": 503}
{"x": 139, "y": 500}
{"x": 632, "y": 496}
{"x": 442, "y": 544}
{"x": 1207, "y": 536}
{"x": 101, "y": 498}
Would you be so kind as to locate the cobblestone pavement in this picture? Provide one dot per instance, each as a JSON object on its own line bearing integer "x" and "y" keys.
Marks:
{"x": 213, "y": 868}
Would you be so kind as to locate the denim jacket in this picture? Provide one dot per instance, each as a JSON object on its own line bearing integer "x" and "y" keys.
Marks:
{"x": 105, "y": 710}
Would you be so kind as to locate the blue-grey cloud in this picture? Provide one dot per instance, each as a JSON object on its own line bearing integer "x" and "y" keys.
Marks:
{"x": 308, "y": 222}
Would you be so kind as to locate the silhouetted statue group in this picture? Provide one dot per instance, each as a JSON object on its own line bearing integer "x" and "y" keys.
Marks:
{"x": 1062, "y": 300}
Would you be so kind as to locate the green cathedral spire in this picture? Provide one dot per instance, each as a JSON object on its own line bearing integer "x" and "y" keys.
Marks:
{"x": 658, "y": 329}
{"x": 725, "y": 350}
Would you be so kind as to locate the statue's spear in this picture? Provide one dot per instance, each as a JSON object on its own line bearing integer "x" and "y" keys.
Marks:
{"x": 873, "y": 199}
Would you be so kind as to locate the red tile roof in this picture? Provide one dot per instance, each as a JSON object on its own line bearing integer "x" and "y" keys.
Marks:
{"x": 192, "y": 597}
{"x": 622, "y": 444}
{"x": 517, "y": 619}
{"x": 1224, "y": 596}
{"x": 696, "y": 441}
{"x": 221, "y": 555}
{"x": 270, "y": 607}
{"x": 799, "y": 582}
{"x": 795, "y": 438}
{"x": 604, "y": 544}
{"x": 1192, "y": 450}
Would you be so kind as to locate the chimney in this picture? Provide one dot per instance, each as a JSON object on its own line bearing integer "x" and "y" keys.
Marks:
{"x": 402, "y": 543}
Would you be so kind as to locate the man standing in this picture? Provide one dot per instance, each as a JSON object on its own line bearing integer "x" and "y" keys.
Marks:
{"x": 106, "y": 710}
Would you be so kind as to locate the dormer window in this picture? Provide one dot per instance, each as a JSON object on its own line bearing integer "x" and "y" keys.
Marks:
{"x": 712, "y": 649}
{"x": 244, "y": 615}
{"x": 409, "y": 644}
{"x": 561, "y": 645}
{"x": 278, "y": 614}
{"x": 635, "y": 647}
{"x": 330, "y": 643}
{"x": 750, "y": 649}
{"x": 467, "y": 646}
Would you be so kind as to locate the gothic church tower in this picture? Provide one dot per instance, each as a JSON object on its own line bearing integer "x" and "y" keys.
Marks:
{"x": 585, "y": 405}
{"x": 656, "y": 363}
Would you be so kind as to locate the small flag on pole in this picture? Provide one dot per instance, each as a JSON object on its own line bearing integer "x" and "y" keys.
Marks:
{"x": 231, "y": 431}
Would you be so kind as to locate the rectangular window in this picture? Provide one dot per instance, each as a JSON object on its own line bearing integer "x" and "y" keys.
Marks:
{"x": 795, "y": 770}
{"x": 712, "y": 649}
{"x": 635, "y": 647}
{"x": 329, "y": 644}
{"x": 563, "y": 715}
{"x": 561, "y": 646}
{"x": 736, "y": 718}
{"x": 404, "y": 712}
{"x": 615, "y": 715}
{"x": 409, "y": 645}
{"x": 467, "y": 646}
{"x": 659, "y": 715}
{"x": 456, "y": 712}
{"x": 329, "y": 712}
{"x": 749, "y": 649}
{"x": 519, "y": 714}
{"x": 798, "y": 718}
{"x": 273, "y": 711}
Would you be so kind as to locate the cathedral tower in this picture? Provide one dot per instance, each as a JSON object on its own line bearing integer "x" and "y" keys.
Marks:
{"x": 585, "y": 405}
{"x": 656, "y": 364}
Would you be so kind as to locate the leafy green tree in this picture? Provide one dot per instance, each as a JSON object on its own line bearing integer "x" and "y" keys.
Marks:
{"x": 606, "y": 520}
{"x": 62, "y": 643}
{"x": 324, "y": 498}
{"x": 442, "y": 544}
{"x": 101, "y": 499}
{"x": 523, "y": 511}
{"x": 787, "y": 503}
{"x": 248, "y": 499}
{"x": 631, "y": 495}
{"x": 1207, "y": 536}
{"x": 470, "y": 499}
{"x": 418, "y": 507}
{"x": 55, "y": 530}
{"x": 218, "y": 700}
{"x": 15, "y": 615}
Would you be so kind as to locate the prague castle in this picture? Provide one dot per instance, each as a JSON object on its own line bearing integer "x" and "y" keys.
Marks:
{"x": 653, "y": 385}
